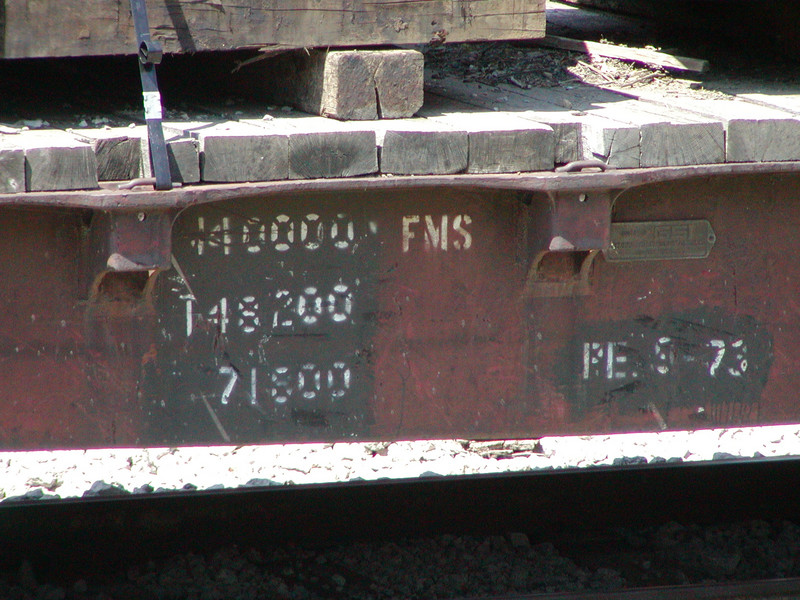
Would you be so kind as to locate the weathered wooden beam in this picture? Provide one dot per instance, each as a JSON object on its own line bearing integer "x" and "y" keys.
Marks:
{"x": 97, "y": 27}
{"x": 55, "y": 160}
{"x": 421, "y": 147}
{"x": 565, "y": 124}
{"x": 753, "y": 132}
{"x": 123, "y": 153}
{"x": 667, "y": 138}
{"x": 353, "y": 84}
{"x": 319, "y": 147}
{"x": 183, "y": 154}
{"x": 117, "y": 153}
{"x": 12, "y": 169}
{"x": 234, "y": 152}
{"x": 498, "y": 142}
{"x": 640, "y": 55}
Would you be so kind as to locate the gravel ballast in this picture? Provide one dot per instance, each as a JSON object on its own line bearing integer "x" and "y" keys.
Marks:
{"x": 444, "y": 566}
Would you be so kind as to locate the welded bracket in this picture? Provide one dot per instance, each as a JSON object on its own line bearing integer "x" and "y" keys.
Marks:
{"x": 566, "y": 232}
{"x": 150, "y": 53}
{"x": 136, "y": 243}
{"x": 573, "y": 221}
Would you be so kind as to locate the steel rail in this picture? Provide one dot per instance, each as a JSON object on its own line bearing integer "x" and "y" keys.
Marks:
{"x": 111, "y": 197}
{"x": 59, "y": 535}
{"x": 783, "y": 589}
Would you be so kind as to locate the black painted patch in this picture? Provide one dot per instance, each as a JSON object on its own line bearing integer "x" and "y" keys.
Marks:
{"x": 702, "y": 359}
{"x": 265, "y": 324}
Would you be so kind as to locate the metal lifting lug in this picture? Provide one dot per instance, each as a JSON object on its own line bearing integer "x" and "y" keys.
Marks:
{"x": 576, "y": 166}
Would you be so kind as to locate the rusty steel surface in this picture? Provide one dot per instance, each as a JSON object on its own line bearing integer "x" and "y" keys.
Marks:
{"x": 115, "y": 196}
{"x": 431, "y": 307}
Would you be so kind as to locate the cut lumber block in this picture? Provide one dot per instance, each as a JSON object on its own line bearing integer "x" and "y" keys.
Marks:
{"x": 695, "y": 144}
{"x": 100, "y": 27}
{"x": 640, "y": 55}
{"x": 320, "y": 147}
{"x": 182, "y": 151}
{"x": 499, "y": 142}
{"x": 237, "y": 152}
{"x": 668, "y": 137}
{"x": 681, "y": 141}
{"x": 55, "y": 160}
{"x": 564, "y": 122}
{"x": 605, "y": 137}
{"x": 184, "y": 160}
{"x": 354, "y": 84}
{"x": 567, "y": 140}
{"x": 753, "y": 133}
{"x": 421, "y": 147}
{"x": 117, "y": 153}
{"x": 616, "y": 143}
{"x": 123, "y": 153}
{"x": 565, "y": 110}
{"x": 626, "y": 133}
{"x": 12, "y": 168}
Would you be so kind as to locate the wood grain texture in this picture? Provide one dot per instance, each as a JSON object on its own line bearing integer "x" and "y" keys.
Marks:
{"x": 753, "y": 133}
{"x": 677, "y": 138}
{"x": 12, "y": 170}
{"x": 118, "y": 155}
{"x": 616, "y": 143}
{"x": 666, "y": 138}
{"x": 183, "y": 154}
{"x": 332, "y": 154}
{"x": 320, "y": 147}
{"x": 237, "y": 152}
{"x": 695, "y": 144}
{"x": 566, "y": 124}
{"x": 421, "y": 147}
{"x": 751, "y": 139}
{"x": 351, "y": 84}
{"x": 500, "y": 142}
{"x": 39, "y": 28}
{"x": 55, "y": 160}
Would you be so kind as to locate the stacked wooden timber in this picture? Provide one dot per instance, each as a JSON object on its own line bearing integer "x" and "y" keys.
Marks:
{"x": 104, "y": 27}
{"x": 462, "y": 128}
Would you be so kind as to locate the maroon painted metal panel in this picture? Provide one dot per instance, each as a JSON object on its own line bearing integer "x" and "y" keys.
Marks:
{"x": 401, "y": 313}
{"x": 679, "y": 343}
{"x": 339, "y": 316}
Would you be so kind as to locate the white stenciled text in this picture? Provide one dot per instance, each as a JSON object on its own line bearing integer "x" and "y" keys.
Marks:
{"x": 621, "y": 360}
{"x": 436, "y": 232}
{"x": 281, "y": 234}
{"x": 281, "y": 310}
{"x": 281, "y": 384}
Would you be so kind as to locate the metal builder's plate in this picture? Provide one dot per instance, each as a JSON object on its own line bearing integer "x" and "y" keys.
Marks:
{"x": 660, "y": 240}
